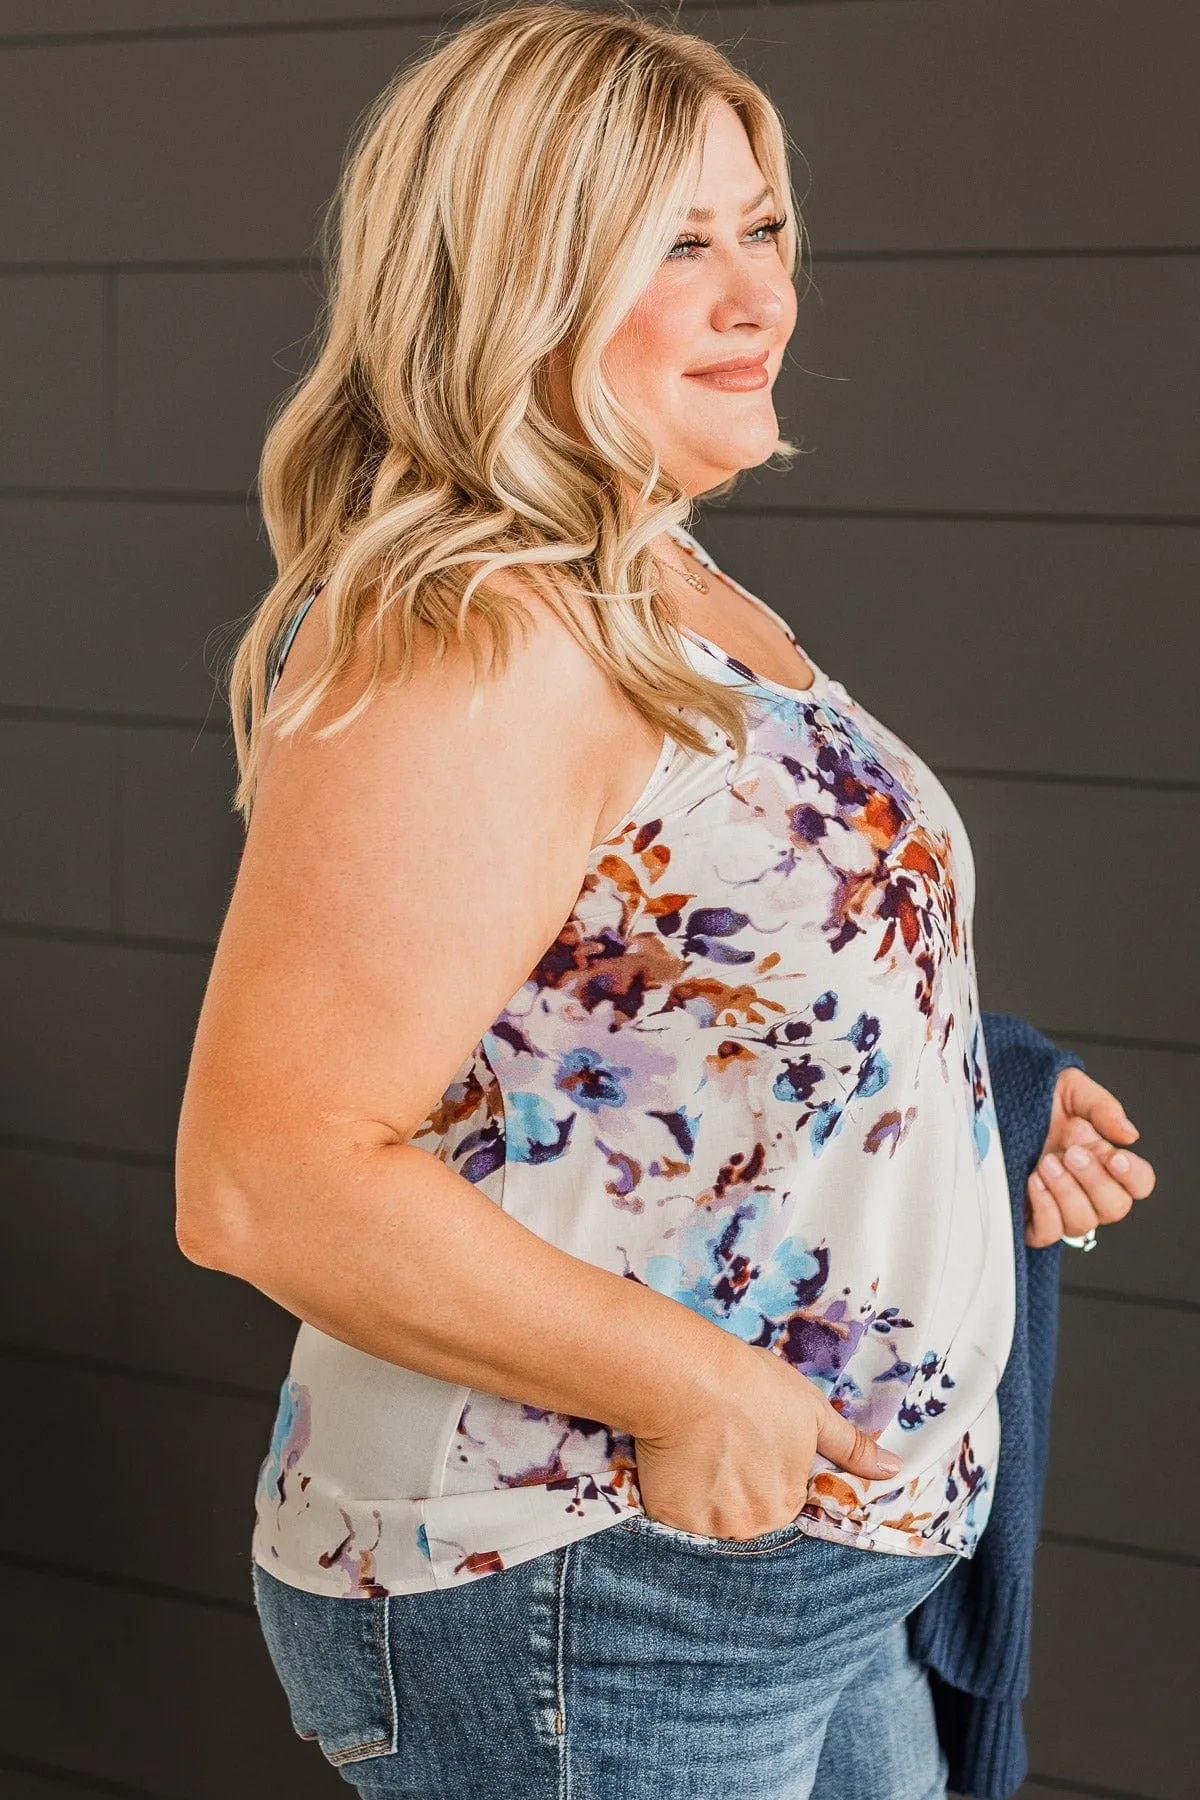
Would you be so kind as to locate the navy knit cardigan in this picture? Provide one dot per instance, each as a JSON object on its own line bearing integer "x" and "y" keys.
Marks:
{"x": 972, "y": 1634}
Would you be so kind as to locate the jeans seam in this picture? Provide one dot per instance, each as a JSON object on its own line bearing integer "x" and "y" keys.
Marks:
{"x": 383, "y": 1660}
{"x": 560, "y": 1699}
{"x": 709, "y": 1545}
{"x": 389, "y": 1673}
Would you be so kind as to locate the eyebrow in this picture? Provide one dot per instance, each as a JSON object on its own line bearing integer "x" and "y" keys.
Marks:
{"x": 704, "y": 213}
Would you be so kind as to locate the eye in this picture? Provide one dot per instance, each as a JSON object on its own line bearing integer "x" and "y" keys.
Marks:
{"x": 771, "y": 227}
{"x": 688, "y": 243}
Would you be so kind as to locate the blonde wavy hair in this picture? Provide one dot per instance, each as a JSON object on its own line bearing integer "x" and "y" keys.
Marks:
{"x": 512, "y": 191}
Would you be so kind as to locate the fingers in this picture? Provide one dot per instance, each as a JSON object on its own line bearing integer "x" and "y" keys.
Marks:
{"x": 1043, "y": 1221}
{"x": 851, "y": 1449}
{"x": 1082, "y": 1180}
{"x": 1134, "y": 1173}
{"x": 1084, "y": 1098}
{"x": 1082, "y": 1190}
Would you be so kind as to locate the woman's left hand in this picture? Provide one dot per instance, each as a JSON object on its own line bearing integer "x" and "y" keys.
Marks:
{"x": 1083, "y": 1177}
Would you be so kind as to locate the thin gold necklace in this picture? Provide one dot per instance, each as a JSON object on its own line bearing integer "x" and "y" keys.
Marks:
{"x": 693, "y": 581}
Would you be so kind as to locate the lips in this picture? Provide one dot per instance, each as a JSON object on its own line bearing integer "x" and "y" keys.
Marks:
{"x": 738, "y": 375}
{"x": 734, "y": 363}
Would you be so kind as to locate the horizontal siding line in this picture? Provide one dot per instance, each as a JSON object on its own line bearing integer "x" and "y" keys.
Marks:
{"x": 1154, "y": 783}
{"x": 312, "y": 264}
{"x": 135, "y": 34}
{"x": 129, "y": 1584}
{"x": 158, "y": 1590}
{"x": 165, "y": 265}
{"x": 89, "y": 1784}
{"x": 81, "y": 715}
{"x": 1069, "y": 1540}
{"x": 942, "y": 516}
{"x": 82, "y": 1152}
{"x": 113, "y": 940}
{"x": 1090, "y": 1792}
{"x": 1005, "y": 252}
{"x": 222, "y": 727}
{"x": 135, "y": 496}
{"x": 1119, "y": 1297}
{"x": 49, "y": 40}
{"x": 81, "y": 1363}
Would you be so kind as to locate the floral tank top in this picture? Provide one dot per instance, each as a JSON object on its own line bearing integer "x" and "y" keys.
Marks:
{"x": 750, "y": 1073}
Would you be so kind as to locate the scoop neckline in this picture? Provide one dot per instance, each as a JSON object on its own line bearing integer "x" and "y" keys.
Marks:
{"x": 819, "y": 681}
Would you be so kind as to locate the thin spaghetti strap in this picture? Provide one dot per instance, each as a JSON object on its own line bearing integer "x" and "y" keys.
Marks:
{"x": 293, "y": 628}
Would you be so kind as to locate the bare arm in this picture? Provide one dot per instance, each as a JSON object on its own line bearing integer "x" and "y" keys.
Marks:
{"x": 398, "y": 884}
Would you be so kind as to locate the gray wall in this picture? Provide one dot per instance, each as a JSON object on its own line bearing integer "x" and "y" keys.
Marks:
{"x": 992, "y": 543}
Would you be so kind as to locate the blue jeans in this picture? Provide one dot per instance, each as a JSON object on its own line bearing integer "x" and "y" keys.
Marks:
{"x": 640, "y": 1663}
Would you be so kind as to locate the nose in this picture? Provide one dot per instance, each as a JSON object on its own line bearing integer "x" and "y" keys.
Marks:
{"x": 752, "y": 297}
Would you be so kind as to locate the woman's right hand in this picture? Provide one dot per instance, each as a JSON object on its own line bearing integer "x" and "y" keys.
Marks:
{"x": 738, "y": 1462}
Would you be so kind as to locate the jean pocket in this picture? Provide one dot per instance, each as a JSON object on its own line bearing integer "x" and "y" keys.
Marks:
{"x": 778, "y": 1539}
{"x": 333, "y": 1660}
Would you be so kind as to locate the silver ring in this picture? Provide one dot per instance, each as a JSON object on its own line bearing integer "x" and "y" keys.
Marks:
{"x": 1086, "y": 1242}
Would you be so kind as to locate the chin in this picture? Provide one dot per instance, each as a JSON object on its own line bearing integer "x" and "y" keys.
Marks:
{"x": 721, "y": 462}
{"x": 746, "y": 439}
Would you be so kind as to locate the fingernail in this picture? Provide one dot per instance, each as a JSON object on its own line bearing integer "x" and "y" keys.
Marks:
{"x": 1038, "y": 1185}
{"x": 1077, "y": 1157}
{"x": 1118, "y": 1163}
{"x": 889, "y": 1463}
{"x": 1052, "y": 1166}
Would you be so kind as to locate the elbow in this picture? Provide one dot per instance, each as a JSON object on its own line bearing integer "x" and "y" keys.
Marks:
{"x": 215, "y": 1183}
{"x": 199, "y": 1245}
{"x": 211, "y": 1225}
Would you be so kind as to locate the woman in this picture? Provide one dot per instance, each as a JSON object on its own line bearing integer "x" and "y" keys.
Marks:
{"x": 592, "y": 1057}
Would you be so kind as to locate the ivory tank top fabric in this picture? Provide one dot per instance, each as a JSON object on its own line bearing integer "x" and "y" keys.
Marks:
{"x": 750, "y": 1073}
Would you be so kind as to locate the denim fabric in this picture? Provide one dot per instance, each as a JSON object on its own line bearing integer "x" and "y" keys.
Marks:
{"x": 640, "y": 1663}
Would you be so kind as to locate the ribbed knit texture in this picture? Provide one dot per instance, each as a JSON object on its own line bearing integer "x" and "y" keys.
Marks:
{"x": 972, "y": 1634}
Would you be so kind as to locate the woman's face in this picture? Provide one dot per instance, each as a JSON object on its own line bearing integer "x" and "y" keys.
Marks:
{"x": 721, "y": 295}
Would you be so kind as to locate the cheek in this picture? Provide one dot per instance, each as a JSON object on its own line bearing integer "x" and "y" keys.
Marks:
{"x": 654, "y": 340}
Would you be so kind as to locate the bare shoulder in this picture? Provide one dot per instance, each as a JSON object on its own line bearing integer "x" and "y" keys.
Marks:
{"x": 551, "y": 696}
{"x": 399, "y": 881}
{"x": 512, "y": 766}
